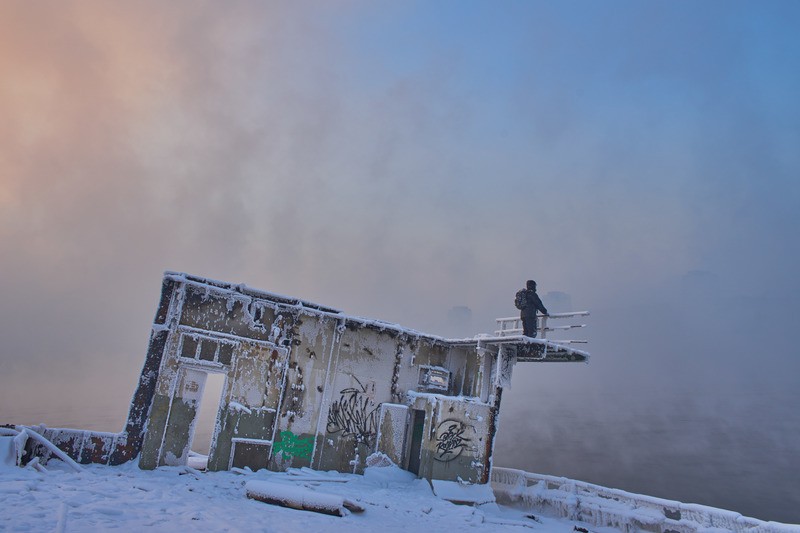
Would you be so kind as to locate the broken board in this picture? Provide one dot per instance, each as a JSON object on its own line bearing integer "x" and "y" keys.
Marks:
{"x": 301, "y": 498}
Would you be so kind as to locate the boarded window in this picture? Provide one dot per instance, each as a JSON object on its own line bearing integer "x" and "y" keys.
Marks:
{"x": 208, "y": 350}
{"x": 250, "y": 454}
{"x": 434, "y": 378}
{"x": 225, "y": 353}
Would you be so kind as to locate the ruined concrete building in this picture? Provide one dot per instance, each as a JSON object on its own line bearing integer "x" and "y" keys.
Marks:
{"x": 308, "y": 386}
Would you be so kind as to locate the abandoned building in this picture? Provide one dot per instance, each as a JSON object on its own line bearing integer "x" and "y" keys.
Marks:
{"x": 308, "y": 386}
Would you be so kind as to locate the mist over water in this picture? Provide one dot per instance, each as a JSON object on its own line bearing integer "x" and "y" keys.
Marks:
{"x": 740, "y": 457}
{"x": 410, "y": 162}
{"x": 690, "y": 397}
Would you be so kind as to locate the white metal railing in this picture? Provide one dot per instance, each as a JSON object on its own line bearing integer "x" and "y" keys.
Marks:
{"x": 513, "y": 326}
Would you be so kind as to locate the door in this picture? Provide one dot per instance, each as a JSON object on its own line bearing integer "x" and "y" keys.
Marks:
{"x": 417, "y": 432}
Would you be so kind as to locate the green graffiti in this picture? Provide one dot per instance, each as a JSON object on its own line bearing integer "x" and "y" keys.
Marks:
{"x": 293, "y": 446}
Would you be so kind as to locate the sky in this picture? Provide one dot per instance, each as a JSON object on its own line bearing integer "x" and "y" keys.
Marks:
{"x": 395, "y": 160}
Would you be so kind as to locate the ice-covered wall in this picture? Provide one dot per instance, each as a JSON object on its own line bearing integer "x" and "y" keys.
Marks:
{"x": 81, "y": 445}
{"x": 305, "y": 386}
{"x": 456, "y": 438}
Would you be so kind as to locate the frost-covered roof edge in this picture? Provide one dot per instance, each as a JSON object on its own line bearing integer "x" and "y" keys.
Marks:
{"x": 303, "y": 305}
{"x": 365, "y": 322}
{"x": 249, "y": 291}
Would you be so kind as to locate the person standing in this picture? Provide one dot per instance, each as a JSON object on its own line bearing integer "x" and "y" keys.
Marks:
{"x": 528, "y": 302}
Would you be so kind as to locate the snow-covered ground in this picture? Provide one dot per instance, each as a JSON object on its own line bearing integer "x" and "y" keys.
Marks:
{"x": 126, "y": 498}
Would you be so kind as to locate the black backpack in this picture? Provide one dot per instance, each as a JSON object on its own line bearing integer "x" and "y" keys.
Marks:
{"x": 521, "y": 299}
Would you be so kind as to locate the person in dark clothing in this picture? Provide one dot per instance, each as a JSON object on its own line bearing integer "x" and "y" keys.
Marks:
{"x": 531, "y": 303}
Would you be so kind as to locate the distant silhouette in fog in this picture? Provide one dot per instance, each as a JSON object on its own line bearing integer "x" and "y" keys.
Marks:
{"x": 528, "y": 302}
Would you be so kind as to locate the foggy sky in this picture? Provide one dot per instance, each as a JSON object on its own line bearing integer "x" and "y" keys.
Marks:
{"x": 397, "y": 160}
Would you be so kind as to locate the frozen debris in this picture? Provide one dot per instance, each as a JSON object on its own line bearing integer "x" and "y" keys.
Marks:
{"x": 301, "y": 498}
{"x": 505, "y": 522}
{"x": 379, "y": 459}
{"x": 12, "y": 446}
{"x": 20, "y": 440}
{"x": 197, "y": 461}
{"x": 236, "y": 406}
{"x": 8, "y": 454}
{"x": 604, "y": 507}
{"x": 462, "y": 493}
{"x": 24, "y": 433}
{"x": 36, "y": 465}
{"x": 191, "y": 471}
{"x": 306, "y": 474}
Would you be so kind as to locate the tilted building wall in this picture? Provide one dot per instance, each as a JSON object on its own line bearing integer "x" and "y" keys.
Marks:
{"x": 306, "y": 385}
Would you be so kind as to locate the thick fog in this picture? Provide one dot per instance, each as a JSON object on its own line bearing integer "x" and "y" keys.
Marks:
{"x": 398, "y": 161}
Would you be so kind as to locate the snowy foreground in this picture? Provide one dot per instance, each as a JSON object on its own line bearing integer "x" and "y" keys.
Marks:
{"x": 181, "y": 499}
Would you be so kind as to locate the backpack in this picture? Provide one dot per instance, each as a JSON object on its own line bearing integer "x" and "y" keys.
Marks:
{"x": 521, "y": 299}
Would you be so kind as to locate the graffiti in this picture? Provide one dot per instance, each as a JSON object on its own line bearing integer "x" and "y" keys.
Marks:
{"x": 351, "y": 415}
{"x": 450, "y": 440}
{"x": 293, "y": 446}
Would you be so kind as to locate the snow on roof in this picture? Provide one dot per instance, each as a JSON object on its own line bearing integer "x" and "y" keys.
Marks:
{"x": 248, "y": 291}
{"x": 301, "y": 305}
{"x": 311, "y": 307}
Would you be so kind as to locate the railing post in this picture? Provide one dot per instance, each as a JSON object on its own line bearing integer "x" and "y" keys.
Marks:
{"x": 543, "y": 329}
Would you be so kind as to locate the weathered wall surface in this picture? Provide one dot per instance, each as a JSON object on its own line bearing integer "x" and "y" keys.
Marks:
{"x": 217, "y": 331}
{"x": 83, "y": 446}
{"x": 456, "y": 438}
{"x": 313, "y": 339}
{"x": 304, "y": 386}
{"x": 361, "y": 380}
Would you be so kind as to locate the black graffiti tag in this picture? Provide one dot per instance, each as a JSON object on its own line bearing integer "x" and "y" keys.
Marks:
{"x": 351, "y": 415}
{"x": 450, "y": 440}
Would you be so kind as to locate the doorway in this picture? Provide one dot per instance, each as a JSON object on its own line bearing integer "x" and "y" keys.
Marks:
{"x": 205, "y": 424}
{"x": 417, "y": 432}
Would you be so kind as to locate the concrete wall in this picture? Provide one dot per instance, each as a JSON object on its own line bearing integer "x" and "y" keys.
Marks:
{"x": 305, "y": 386}
{"x": 83, "y": 446}
{"x": 456, "y": 438}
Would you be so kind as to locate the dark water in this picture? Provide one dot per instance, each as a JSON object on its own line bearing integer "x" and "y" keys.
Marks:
{"x": 691, "y": 398}
{"x": 740, "y": 454}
